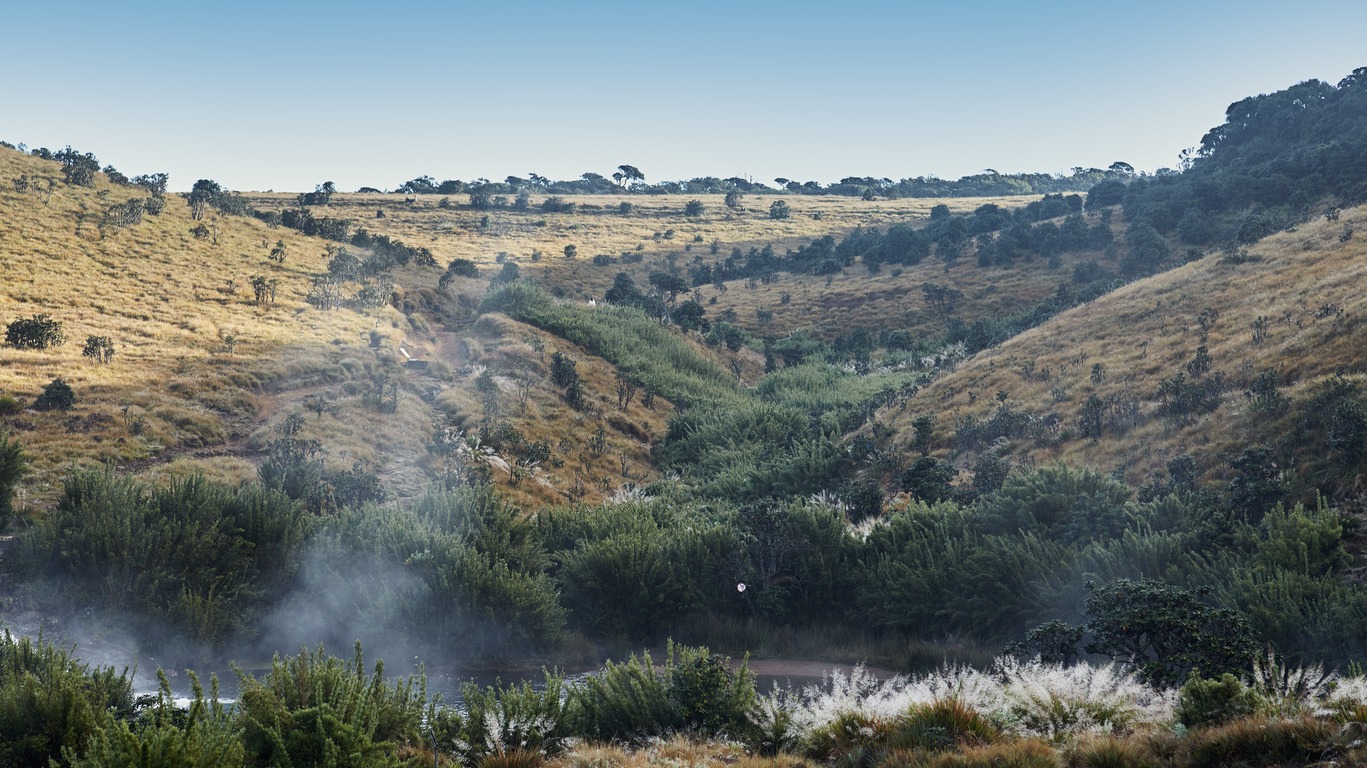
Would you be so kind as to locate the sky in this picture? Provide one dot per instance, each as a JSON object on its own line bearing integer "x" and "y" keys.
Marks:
{"x": 286, "y": 95}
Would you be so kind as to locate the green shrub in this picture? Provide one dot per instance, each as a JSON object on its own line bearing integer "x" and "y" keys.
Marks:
{"x": 56, "y": 396}
{"x": 315, "y": 709}
{"x": 202, "y": 735}
{"x": 200, "y": 557}
{"x": 1202, "y": 702}
{"x": 10, "y": 405}
{"x": 693, "y": 691}
{"x": 1166, "y": 631}
{"x": 848, "y": 734}
{"x": 36, "y": 332}
{"x": 13, "y": 467}
{"x": 513, "y": 722}
{"x": 49, "y": 700}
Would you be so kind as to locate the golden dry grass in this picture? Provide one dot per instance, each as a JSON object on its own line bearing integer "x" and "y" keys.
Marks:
{"x": 516, "y": 353}
{"x": 597, "y": 228}
{"x": 161, "y": 294}
{"x": 1147, "y": 331}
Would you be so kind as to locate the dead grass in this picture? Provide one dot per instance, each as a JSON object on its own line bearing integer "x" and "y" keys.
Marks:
{"x": 596, "y": 228}
{"x": 162, "y": 296}
{"x": 519, "y": 354}
{"x": 1147, "y": 331}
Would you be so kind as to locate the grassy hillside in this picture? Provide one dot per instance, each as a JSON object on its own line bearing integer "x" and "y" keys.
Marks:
{"x": 1290, "y": 305}
{"x": 195, "y": 355}
{"x": 655, "y": 229}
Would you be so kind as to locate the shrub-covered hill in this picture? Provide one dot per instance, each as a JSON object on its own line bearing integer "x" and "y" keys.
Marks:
{"x": 1257, "y": 350}
{"x": 197, "y": 372}
{"x": 652, "y": 233}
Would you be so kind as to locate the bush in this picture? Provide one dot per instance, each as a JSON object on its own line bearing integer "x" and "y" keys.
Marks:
{"x": 10, "y": 405}
{"x": 693, "y": 691}
{"x": 779, "y": 210}
{"x": 49, "y": 700}
{"x": 315, "y": 709}
{"x": 56, "y": 396}
{"x": 98, "y": 348}
{"x": 36, "y": 332}
{"x": 502, "y": 721}
{"x": 1014, "y": 754}
{"x": 1111, "y": 752}
{"x": 13, "y": 467}
{"x": 1202, "y": 702}
{"x": 200, "y": 735}
{"x": 1166, "y": 631}
{"x": 195, "y": 556}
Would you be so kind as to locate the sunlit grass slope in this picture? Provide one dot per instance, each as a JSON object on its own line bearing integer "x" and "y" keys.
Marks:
{"x": 193, "y": 351}
{"x": 1292, "y": 306}
{"x": 655, "y": 228}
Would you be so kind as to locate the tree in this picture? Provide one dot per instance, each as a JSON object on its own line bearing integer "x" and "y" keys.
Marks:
{"x": 693, "y": 208}
{"x": 1106, "y": 193}
{"x": 35, "y": 332}
{"x": 153, "y": 182}
{"x": 263, "y": 289}
{"x": 1166, "y": 632}
{"x": 779, "y": 210}
{"x": 78, "y": 169}
{"x": 563, "y": 371}
{"x": 508, "y": 274}
{"x": 924, "y": 427}
{"x": 321, "y": 194}
{"x": 627, "y": 174}
{"x": 13, "y": 467}
{"x": 98, "y": 348}
{"x": 928, "y": 479}
{"x": 691, "y": 316}
{"x": 204, "y": 193}
{"x": 943, "y": 298}
{"x": 669, "y": 284}
{"x": 733, "y": 200}
{"x": 1090, "y": 420}
{"x": 457, "y": 268}
{"x": 56, "y": 396}
{"x": 624, "y": 291}
{"x": 1148, "y": 250}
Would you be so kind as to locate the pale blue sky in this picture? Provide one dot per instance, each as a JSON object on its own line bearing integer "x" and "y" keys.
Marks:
{"x": 285, "y": 95}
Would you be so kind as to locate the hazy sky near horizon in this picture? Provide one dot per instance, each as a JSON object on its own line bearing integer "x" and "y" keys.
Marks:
{"x": 284, "y": 95}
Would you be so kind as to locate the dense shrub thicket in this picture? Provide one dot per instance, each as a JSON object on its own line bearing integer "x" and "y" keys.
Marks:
{"x": 314, "y": 709}
{"x": 1054, "y": 545}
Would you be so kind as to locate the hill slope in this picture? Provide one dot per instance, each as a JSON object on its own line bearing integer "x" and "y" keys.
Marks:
{"x": 1290, "y": 305}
